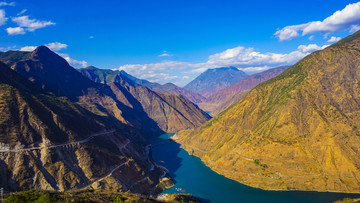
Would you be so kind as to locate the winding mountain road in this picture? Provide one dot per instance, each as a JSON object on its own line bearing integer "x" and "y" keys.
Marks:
{"x": 163, "y": 173}
{"x": 114, "y": 169}
{"x": 58, "y": 145}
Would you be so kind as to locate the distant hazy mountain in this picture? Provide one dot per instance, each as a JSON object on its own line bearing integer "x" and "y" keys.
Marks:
{"x": 107, "y": 76}
{"x": 212, "y": 80}
{"x": 297, "y": 131}
{"x": 51, "y": 143}
{"x": 226, "y": 97}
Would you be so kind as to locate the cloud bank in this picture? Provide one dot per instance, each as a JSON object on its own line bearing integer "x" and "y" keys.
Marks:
{"x": 3, "y": 18}
{"x": 348, "y": 18}
{"x": 74, "y": 63}
{"x": 54, "y": 46}
{"x": 244, "y": 58}
{"x": 30, "y": 24}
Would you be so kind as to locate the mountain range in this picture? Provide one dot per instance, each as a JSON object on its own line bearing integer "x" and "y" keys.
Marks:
{"x": 212, "y": 80}
{"x": 287, "y": 128}
{"x": 61, "y": 131}
{"x": 108, "y": 76}
{"x": 172, "y": 112}
{"x": 224, "y": 98}
{"x": 51, "y": 143}
{"x": 296, "y": 131}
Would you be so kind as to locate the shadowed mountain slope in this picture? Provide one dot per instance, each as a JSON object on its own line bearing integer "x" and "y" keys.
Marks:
{"x": 51, "y": 143}
{"x": 52, "y": 73}
{"x": 108, "y": 76}
{"x": 171, "y": 112}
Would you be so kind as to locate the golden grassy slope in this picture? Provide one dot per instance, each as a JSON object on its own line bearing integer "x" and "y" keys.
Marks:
{"x": 298, "y": 131}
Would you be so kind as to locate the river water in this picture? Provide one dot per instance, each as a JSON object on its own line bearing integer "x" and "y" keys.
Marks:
{"x": 194, "y": 177}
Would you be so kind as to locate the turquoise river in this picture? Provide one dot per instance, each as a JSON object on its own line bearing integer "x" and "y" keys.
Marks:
{"x": 194, "y": 177}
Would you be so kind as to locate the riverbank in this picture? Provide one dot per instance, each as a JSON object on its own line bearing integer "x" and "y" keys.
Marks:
{"x": 192, "y": 176}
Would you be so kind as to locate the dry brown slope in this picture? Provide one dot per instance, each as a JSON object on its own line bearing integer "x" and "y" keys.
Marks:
{"x": 172, "y": 113}
{"x": 30, "y": 118}
{"x": 297, "y": 131}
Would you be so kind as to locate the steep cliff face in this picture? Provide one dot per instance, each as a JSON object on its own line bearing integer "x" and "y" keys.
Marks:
{"x": 108, "y": 76}
{"x": 212, "y": 80}
{"x": 226, "y": 97}
{"x": 297, "y": 131}
{"x": 171, "y": 112}
{"x": 51, "y": 143}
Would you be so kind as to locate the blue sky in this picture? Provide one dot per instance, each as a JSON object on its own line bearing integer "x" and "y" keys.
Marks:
{"x": 175, "y": 40}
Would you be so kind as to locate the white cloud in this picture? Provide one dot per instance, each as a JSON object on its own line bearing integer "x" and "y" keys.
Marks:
{"x": 162, "y": 72}
{"x": 255, "y": 69}
{"x": 15, "y": 31}
{"x": 338, "y": 21}
{"x": 334, "y": 39}
{"x": 73, "y": 62}
{"x": 197, "y": 70}
{"x": 28, "y": 48}
{"x": 165, "y": 54}
{"x": 91, "y": 37}
{"x": 30, "y": 24}
{"x": 162, "y": 66}
{"x": 160, "y": 77}
{"x": 56, "y": 46}
{"x": 241, "y": 56}
{"x": 354, "y": 28}
{"x": 22, "y": 12}
{"x": 310, "y": 48}
{"x": 3, "y": 3}
{"x": 311, "y": 37}
{"x": 3, "y": 18}
{"x": 289, "y": 32}
{"x": 246, "y": 59}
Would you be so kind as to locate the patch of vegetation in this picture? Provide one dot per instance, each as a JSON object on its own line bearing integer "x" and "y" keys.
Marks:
{"x": 263, "y": 166}
{"x": 15, "y": 55}
{"x": 88, "y": 196}
{"x": 33, "y": 196}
